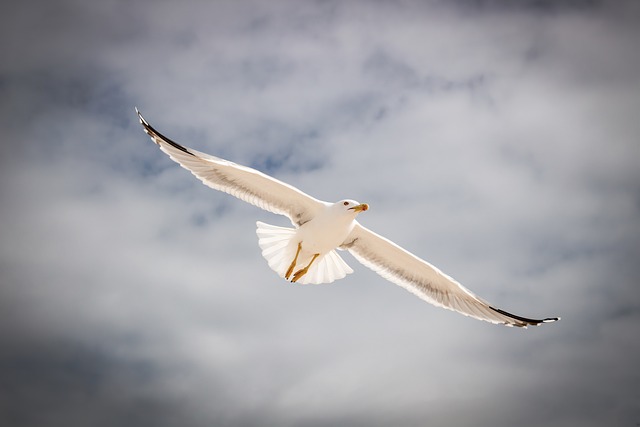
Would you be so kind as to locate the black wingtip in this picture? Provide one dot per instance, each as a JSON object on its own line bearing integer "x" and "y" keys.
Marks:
{"x": 156, "y": 136}
{"x": 143, "y": 122}
{"x": 524, "y": 320}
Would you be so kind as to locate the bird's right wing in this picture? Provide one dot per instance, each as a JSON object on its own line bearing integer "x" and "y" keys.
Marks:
{"x": 240, "y": 181}
{"x": 424, "y": 280}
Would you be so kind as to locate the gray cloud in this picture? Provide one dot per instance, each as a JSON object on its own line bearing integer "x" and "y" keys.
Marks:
{"x": 498, "y": 142}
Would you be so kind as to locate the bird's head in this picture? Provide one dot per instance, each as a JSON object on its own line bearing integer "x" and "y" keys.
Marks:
{"x": 351, "y": 206}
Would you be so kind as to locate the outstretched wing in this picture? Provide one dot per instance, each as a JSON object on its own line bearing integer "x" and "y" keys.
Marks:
{"x": 424, "y": 280}
{"x": 242, "y": 182}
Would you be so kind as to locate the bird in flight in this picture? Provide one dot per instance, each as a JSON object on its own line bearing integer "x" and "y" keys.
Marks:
{"x": 308, "y": 252}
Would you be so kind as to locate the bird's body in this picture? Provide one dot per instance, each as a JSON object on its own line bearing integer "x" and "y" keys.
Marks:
{"x": 319, "y": 237}
{"x": 329, "y": 229}
{"x": 308, "y": 252}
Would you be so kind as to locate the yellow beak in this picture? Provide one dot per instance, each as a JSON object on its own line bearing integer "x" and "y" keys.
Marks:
{"x": 361, "y": 207}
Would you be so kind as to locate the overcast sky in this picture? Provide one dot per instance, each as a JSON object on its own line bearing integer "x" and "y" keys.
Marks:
{"x": 499, "y": 140}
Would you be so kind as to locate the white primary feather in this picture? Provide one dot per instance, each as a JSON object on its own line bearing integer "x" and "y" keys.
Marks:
{"x": 279, "y": 244}
{"x": 240, "y": 181}
{"x": 424, "y": 280}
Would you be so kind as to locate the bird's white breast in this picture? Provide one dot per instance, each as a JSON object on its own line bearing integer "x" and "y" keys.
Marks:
{"x": 326, "y": 231}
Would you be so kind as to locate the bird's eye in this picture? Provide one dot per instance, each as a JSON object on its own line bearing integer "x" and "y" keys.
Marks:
{"x": 346, "y": 203}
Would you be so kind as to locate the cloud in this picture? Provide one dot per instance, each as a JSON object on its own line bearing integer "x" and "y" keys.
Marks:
{"x": 497, "y": 142}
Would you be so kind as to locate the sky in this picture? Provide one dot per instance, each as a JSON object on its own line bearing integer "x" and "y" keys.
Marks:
{"x": 498, "y": 140}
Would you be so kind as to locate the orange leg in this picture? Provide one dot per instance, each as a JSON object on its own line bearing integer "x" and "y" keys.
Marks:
{"x": 293, "y": 263}
{"x": 303, "y": 271}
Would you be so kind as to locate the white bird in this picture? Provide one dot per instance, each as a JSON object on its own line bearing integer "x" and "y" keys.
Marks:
{"x": 307, "y": 253}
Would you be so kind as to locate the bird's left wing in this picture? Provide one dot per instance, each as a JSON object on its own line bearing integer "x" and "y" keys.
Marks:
{"x": 424, "y": 280}
{"x": 240, "y": 181}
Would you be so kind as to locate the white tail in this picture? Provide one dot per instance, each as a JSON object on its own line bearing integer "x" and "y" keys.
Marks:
{"x": 279, "y": 247}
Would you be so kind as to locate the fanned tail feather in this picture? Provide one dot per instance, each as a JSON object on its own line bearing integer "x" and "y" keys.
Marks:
{"x": 329, "y": 268}
{"x": 279, "y": 248}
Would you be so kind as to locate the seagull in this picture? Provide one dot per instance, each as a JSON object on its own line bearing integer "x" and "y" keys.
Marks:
{"x": 307, "y": 254}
